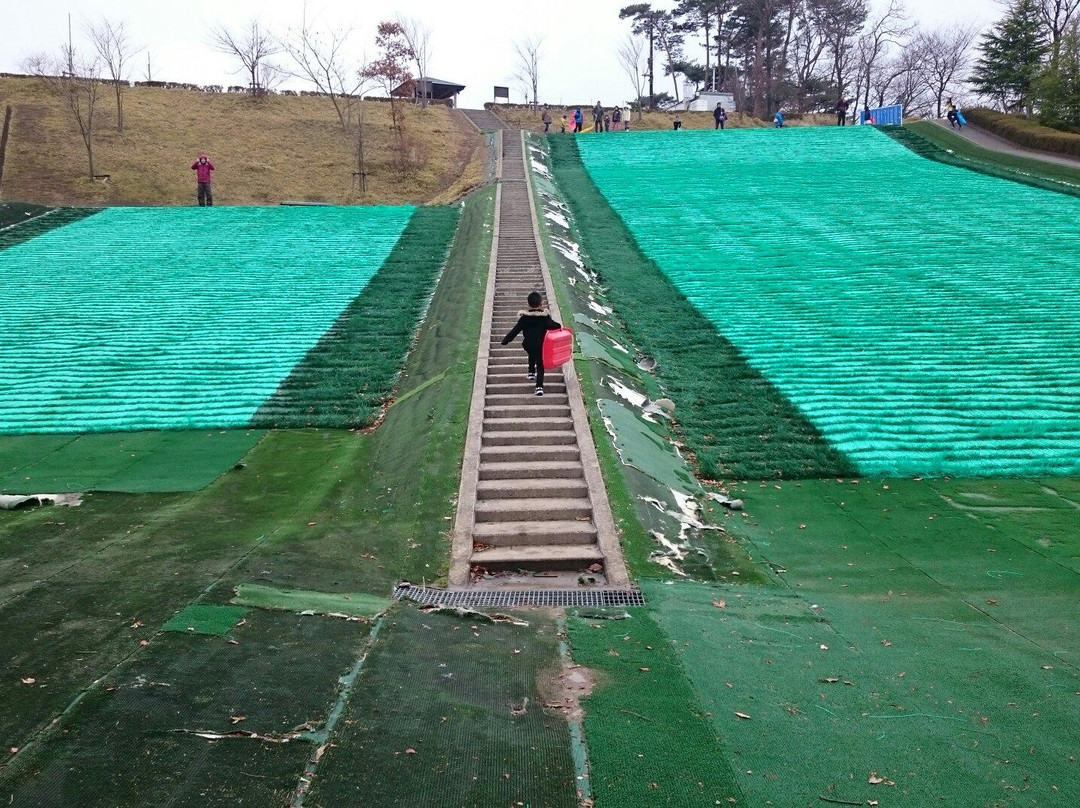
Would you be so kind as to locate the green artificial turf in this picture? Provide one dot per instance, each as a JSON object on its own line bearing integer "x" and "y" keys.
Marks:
{"x": 650, "y": 742}
{"x": 922, "y": 332}
{"x": 346, "y": 378}
{"x": 330, "y": 511}
{"x": 180, "y": 318}
{"x": 132, "y": 462}
{"x": 449, "y": 712}
{"x": 735, "y": 423}
{"x": 356, "y": 604}
{"x": 216, "y": 621}
{"x": 934, "y": 142}
{"x": 131, "y": 741}
{"x": 925, "y": 633}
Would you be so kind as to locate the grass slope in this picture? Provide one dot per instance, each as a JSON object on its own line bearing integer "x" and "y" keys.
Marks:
{"x": 736, "y": 424}
{"x": 266, "y": 151}
{"x": 937, "y": 143}
{"x": 346, "y": 378}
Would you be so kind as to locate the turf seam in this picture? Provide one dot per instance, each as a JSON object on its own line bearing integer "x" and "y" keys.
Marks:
{"x": 579, "y": 749}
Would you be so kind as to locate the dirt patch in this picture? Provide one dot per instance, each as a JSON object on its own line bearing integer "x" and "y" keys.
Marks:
{"x": 563, "y": 687}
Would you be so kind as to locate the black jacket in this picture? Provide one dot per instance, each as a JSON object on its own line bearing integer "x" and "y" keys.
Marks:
{"x": 532, "y": 324}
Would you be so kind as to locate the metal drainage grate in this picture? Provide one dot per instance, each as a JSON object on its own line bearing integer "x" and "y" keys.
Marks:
{"x": 521, "y": 597}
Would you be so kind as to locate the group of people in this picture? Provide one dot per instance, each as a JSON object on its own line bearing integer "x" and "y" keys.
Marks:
{"x": 604, "y": 120}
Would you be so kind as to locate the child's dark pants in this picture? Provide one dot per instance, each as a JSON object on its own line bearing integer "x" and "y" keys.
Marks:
{"x": 205, "y": 195}
{"x": 536, "y": 365}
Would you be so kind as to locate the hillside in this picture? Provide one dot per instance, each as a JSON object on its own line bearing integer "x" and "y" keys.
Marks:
{"x": 266, "y": 151}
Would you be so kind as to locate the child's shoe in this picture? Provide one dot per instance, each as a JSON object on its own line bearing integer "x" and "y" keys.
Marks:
{"x": 539, "y": 391}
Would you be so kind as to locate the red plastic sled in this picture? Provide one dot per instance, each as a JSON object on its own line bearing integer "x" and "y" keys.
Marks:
{"x": 558, "y": 347}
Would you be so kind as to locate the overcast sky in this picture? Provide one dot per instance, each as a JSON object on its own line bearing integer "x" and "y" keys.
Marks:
{"x": 472, "y": 42}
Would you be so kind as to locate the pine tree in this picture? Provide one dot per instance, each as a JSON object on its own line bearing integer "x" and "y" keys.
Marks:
{"x": 1058, "y": 88}
{"x": 1012, "y": 57}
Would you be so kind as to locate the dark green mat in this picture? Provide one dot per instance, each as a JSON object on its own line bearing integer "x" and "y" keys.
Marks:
{"x": 430, "y": 722}
{"x": 649, "y": 741}
{"x": 20, "y": 222}
{"x": 129, "y": 462}
{"x": 131, "y": 742}
{"x": 736, "y": 424}
{"x": 355, "y": 604}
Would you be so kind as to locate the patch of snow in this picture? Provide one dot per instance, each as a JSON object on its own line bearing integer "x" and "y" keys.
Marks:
{"x": 558, "y": 218}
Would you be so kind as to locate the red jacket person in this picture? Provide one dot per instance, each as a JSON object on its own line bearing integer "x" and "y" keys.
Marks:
{"x": 202, "y": 168}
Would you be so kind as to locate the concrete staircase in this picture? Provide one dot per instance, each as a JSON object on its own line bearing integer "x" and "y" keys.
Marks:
{"x": 532, "y": 508}
{"x": 483, "y": 119}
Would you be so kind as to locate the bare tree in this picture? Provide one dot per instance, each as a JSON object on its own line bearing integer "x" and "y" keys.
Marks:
{"x": 114, "y": 49}
{"x": 76, "y": 81}
{"x": 418, "y": 38}
{"x": 1056, "y": 15}
{"x": 320, "y": 58}
{"x": 528, "y": 66}
{"x": 944, "y": 55}
{"x": 840, "y": 22}
{"x": 633, "y": 59}
{"x": 884, "y": 32}
{"x": 252, "y": 47}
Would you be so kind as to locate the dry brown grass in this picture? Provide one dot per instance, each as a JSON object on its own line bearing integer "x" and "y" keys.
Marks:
{"x": 266, "y": 151}
{"x": 524, "y": 118}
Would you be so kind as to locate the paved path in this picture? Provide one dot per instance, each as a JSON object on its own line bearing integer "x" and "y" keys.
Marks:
{"x": 532, "y": 505}
{"x": 988, "y": 140}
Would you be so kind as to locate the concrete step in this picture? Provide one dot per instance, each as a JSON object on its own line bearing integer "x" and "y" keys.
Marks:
{"x": 533, "y": 534}
{"x": 526, "y": 386}
{"x": 526, "y": 424}
{"x": 534, "y": 510}
{"x": 497, "y": 399}
{"x": 543, "y": 470}
{"x": 546, "y": 437}
{"x": 534, "y": 559}
{"x": 535, "y": 408}
{"x": 528, "y": 454}
{"x": 529, "y": 487}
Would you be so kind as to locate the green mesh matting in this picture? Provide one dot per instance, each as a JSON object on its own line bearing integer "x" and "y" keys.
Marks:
{"x": 356, "y": 604}
{"x": 650, "y": 742}
{"x": 214, "y": 620}
{"x": 129, "y": 741}
{"x": 176, "y": 318}
{"x": 921, "y": 316}
{"x": 132, "y": 462}
{"x": 947, "y": 612}
{"x": 431, "y": 720}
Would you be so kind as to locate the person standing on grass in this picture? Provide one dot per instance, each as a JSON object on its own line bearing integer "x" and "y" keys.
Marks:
{"x": 546, "y": 119}
{"x": 533, "y": 324}
{"x": 778, "y": 119}
{"x": 202, "y": 168}
{"x": 616, "y": 118}
{"x": 626, "y": 120}
{"x": 562, "y": 124}
{"x": 598, "y": 117}
{"x": 719, "y": 115}
{"x": 841, "y": 111}
{"x": 579, "y": 120}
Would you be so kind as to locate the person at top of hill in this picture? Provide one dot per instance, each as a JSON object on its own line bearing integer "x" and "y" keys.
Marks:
{"x": 616, "y": 118}
{"x": 719, "y": 115}
{"x": 778, "y": 120}
{"x": 203, "y": 168}
{"x": 562, "y": 124}
{"x": 579, "y": 120}
{"x": 546, "y": 120}
{"x": 598, "y": 117}
{"x": 626, "y": 119}
{"x": 533, "y": 323}
{"x": 952, "y": 112}
{"x": 841, "y": 111}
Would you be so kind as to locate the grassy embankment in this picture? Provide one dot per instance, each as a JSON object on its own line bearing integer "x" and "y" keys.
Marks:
{"x": 266, "y": 151}
{"x": 524, "y": 118}
{"x": 1026, "y": 132}
{"x": 967, "y": 150}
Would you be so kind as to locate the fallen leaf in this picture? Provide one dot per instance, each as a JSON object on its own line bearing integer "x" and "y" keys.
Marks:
{"x": 233, "y": 642}
{"x": 410, "y": 751}
{"x": 144, "y": 642}
{"x": 29, "y": 681}
{"x": 829, "y": 680}
{"x": 743, "y": 716}
{"x": 991, "y": 603}
{"x": 311, "y": 524}
{"x": 137, "y": 624}
{"x": 1047, "y": 667}
{"x": 823, "y": 647}
{"x": 720, "y": 604}
{"x": 646, "y": 670}
{"x": 236, "y": 719}
{"x": 874, "y": 780}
